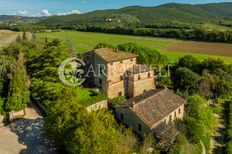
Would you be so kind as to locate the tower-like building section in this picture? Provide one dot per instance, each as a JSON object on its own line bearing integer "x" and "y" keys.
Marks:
{"x": 117, "y": 73}
{"x": 140, "y": 80}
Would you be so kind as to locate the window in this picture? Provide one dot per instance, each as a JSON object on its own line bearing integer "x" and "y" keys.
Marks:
{"x": 175, "y": 114}
{"x": 179, "y": 110}
{"x": 144, "y": 91}
{"x": 111, "y": 63}
{"x": 149, "y": 75}
{"x": 100, "y": 81}
{"x": 121, "y": 117}
{"x": 170, "y": 118}
{"x": 165, "y": 121}
{"x": 120, "y": 94}
{"x": 132, "y": 59}
{"x": 140, "y": 127}
{"x": 139, "y": 77}
{"x": 121, "y": 61}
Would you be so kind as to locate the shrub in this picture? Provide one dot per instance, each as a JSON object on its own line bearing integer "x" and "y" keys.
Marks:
{"x": 117, "y": 101}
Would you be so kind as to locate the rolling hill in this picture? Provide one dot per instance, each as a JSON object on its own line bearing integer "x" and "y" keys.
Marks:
{"x": 138, "y": 15}
{"x": 12, "y": 19}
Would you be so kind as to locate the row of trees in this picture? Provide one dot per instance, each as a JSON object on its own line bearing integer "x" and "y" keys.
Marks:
{"x": 200, "y": 34}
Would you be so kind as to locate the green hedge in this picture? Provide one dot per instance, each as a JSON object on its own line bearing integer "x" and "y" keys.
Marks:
{"x": 229, "y": 131}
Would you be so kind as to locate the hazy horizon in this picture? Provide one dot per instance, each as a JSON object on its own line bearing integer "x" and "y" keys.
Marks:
{"x": 61, "y": 7}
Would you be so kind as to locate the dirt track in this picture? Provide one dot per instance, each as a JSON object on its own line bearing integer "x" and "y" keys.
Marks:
{"x": 220, "y": 49}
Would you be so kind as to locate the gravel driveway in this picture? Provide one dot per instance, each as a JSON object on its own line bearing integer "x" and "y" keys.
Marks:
{"x": 25, "y": 136}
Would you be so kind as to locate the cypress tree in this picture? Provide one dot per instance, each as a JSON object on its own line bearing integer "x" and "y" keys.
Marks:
{"x": 18, "y": 94}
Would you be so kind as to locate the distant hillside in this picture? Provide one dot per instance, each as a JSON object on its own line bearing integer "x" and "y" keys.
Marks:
{"x": 11, "y": 19}
{"x": 137, "y": 15}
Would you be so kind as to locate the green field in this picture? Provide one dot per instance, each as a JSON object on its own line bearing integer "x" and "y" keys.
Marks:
{"x": 85, "y": 41}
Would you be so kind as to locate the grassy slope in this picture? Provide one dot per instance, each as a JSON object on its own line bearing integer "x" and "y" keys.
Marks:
{"x": 85, "y": 41}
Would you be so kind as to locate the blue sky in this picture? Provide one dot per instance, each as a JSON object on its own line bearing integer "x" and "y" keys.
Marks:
{"x": 54, "y": 7}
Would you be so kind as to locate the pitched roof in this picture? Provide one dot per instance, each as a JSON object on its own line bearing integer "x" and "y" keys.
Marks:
{"x": 109, "y": 55}
{"x": 136, "y": 69}
{"x": 154, "y": 105}
{"x": 166, "y": 131}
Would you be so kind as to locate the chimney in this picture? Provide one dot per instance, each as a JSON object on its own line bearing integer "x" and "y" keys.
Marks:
{"x": 133, "y": 104}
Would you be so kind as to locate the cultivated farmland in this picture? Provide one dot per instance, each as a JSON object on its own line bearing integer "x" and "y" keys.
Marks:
{"x": 7, "y": 38}
{"x": 220, "y": 49}
{"x": 85, "y": 41}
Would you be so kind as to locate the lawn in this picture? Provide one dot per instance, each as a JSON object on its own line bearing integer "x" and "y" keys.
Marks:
{"x": 85, "y": 41}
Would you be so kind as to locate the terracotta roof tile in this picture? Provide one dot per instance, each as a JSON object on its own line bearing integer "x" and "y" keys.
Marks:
{"x": 109, "y": 55}
{"x": 155, "y": 105}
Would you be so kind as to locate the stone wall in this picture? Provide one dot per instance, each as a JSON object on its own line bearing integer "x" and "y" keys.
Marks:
{"x": 97, "y": 106}
{"x": 115, "y": 90}
{"x": 1, "y": 120}
{"x": 15, "y": 115}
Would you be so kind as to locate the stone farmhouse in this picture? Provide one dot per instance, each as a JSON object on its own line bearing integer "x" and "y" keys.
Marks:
{"x": 147, "y": 110}
{"x": 117, "y": 74}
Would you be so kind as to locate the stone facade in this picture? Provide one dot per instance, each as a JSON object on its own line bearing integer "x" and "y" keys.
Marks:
{"x": 112, "y": 76}
{"x": 140, "y": 83}
{"x": 97, "y": 106}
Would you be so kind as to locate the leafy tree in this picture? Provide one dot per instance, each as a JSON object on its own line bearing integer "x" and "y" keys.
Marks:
{"x": 199, "y": 122}
{"x": 186, "y": 80}
{"x": 223, "y": 80}
{"x": 146, "y": 56}
{"x": 1, "y": 105}
{"x": 163, "y": 79}
{"x": 71, "y": 127}
{"x": 212, "y": 64}
{"x": 104, "y": 45}
{"x": 189, "y": 62}
{"x": 207, "y": 85}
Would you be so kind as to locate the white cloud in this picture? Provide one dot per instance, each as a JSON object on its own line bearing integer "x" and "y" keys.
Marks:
{"x": 45, "y": 12}
{"x": 22, "y": 13}
{"x": 71, "y": 12}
